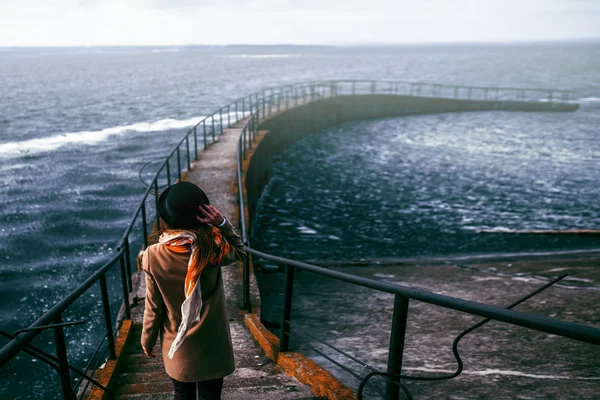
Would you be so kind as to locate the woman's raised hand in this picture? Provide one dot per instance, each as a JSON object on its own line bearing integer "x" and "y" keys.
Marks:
{"x": 210, "y": 215}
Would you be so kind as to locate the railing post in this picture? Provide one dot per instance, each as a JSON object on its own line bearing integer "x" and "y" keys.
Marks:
{"x": 169, "y": 171}
{"x": 128, "y": 264}
{"x": 288, "y": 286}
{"x": 144, "y": 224}
{"x": 244, "y": 143}
{"x": 263, "y": 106}
{"x": 187, "y": 146}
{"x": 178, "y": 165}
{"x": 124, "y": 284}
{"x": 228, "y": 116}
{"x": 250, "y": 132}
{"x": 204, "y": 130}
{"x": 221, "y": 121}
{"x": 255, "y": 127}
{"x": 246, "y": 283}
{"x": 396, "y": 350}
{"x": 195, "y": 144}
{"x": 110, "y": 337}
{"x": 244, "y": 106}
{"x": 63, "y": 365}
{"x": 271, "y": 104}
{"x": 212, "y": 119}
{"x": 156, "y": 202}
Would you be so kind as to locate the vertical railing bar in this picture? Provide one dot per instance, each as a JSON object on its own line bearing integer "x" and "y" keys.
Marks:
{"x": 246, "y": 283}
{"x": 204, "y": 131}
{"x": 195, "y": 144}
{"x": 178, "y": 165}
{"x": 144, "y": 224}
{"x": 212, "y": 119}
{"x": 157, "y": 218}
{"x": 61, "y": 354}
{"x": 187, "y": 145}
{"x": 128, "y": 264}
{"x": 286, "y": 314}
{"x": 169, "y": 171}
{"x": 221, "y": 120}
{"x": 396, "y": 349}
{"x": 110, "y": 337}
{"x": 124, "y": 284}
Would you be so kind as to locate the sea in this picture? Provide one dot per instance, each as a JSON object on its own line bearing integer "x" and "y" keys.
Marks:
{"x": 80, "y": 128}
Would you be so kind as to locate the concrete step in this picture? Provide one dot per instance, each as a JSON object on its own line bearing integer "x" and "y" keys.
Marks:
{"x": 150, "y": 367}
{"x": 155, "y": 383}
{"x": 249, "y": 393}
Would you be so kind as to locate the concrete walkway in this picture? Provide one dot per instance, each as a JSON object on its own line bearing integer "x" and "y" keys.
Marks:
{"x": 256, "y": 377}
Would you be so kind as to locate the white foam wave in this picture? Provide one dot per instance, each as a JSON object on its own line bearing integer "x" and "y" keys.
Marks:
{"x": 589, "y": 100}
{"x": 165, "y": 51}
{"x": 40, "y": 145}
{"x": 306, "y": 230}
{"x": 487, "y": 372}
{"x": 260, "y": 55}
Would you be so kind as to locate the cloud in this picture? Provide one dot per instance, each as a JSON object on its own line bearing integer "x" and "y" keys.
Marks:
{"x": 164, "y": 22}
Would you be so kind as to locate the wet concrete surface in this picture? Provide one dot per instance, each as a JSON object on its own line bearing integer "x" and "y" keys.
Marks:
{"x": 501, "y": 361}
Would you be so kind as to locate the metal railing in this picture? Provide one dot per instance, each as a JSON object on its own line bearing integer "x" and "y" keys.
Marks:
{"x": 402, "y": 295}
{"x": 255, "y": 107}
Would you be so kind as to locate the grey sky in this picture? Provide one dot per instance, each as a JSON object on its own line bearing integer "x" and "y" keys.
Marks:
{"x": 174, "y": 22}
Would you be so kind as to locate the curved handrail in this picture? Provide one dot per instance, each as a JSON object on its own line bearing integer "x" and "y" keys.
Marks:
{"x": 24, "y": 338}
{"x": 540, "y": 323}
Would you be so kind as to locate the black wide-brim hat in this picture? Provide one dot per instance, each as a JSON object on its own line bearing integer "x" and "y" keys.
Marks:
{"x": 178, "y": 205}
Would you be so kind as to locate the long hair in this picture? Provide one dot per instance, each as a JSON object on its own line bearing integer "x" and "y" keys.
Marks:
{"x": 204, "y": 237}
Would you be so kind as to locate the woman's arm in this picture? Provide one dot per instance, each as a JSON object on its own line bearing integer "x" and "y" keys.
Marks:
{"x": 236, "y": 251}
{"x": 214, "y": 217}
{"x": 153, "y": 311}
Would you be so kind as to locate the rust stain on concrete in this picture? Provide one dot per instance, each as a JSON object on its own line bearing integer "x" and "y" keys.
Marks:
{"x": 321, "y": 381}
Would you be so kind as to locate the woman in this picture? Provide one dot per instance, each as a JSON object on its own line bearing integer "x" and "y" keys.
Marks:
{"x": 185, "y": 299}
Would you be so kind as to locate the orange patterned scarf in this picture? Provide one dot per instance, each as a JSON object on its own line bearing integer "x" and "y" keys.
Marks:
{"x": 183, "y": 241}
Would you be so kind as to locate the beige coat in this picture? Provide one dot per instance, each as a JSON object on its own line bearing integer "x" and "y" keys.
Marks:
{"x": 206, "y": 352}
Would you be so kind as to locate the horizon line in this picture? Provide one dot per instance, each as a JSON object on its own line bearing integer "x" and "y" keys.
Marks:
{"x": 358, "y": 44}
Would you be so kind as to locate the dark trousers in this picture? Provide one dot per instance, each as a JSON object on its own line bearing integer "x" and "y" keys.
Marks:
{"x": 207, "y": 390}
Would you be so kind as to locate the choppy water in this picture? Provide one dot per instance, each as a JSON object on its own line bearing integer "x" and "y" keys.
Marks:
{"x": 76, "y": 125}
{"x": 425, "y": 185}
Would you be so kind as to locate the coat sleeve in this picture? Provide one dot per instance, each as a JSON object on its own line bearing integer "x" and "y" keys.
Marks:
{"x": 236, "y": 251}
{"x": 155, "y": 306}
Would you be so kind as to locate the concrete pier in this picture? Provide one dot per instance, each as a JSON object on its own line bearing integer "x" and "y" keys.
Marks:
{"x": 260, "y": 372}
{"x": 256, "y": 376}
